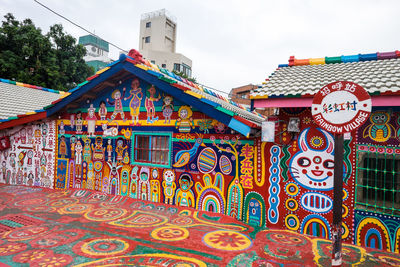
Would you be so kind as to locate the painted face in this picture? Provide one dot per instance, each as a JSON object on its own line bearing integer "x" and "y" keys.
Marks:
{"x": 109, "y": 140}
{"x": 169, "y": 176}
{"x": 380, "y": 117}
{"x": 117, "y": 95}
{"x": 135, "y": 83}
{"x": 183, "y": 114}
{"x": 185, "y": 184}
{"x": 313, "y": 165}
{"x": 152, "y": 90}
{"x": 167, "y": 100}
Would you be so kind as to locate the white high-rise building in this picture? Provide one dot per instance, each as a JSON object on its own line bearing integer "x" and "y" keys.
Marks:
{"x": 96, "y": 51}
{"x": 157, "y": 42}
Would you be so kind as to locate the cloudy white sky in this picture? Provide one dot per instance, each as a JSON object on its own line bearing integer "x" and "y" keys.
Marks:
{"x": 233, "y": 43}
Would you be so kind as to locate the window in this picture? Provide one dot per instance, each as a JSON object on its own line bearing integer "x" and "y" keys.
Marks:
{"x": 177, "y": 67}
{"x": 148, "y": 24}
{"x": 147, "y": 39}
{"x": 163, "y": 66}
{"x": 152, "y": 149}
{"x": 378, "y": 179}
{"x": 153, "y": 62}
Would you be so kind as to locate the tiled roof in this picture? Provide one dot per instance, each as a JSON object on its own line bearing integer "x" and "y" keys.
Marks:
{"x": 19, "y": 99}
{"x": 205, "y": 95}
{"x": 378, "y": 73}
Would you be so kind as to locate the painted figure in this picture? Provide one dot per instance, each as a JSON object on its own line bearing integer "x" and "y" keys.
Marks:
{"x": 62, "y": 128}
{"x": 91, "y": 120}
{"x": 144, "y": 184}
{"x": 155, "y": 190}
{"x": 78, "y": 152}
{"x": 119, "y": 150}
{"x": 63, "y": 147}
{"x": 133, "y": 187}
{"x": 109, "y": 150}
{"x": 134, "y": 105}
{"x": 79, "y": 122}
{"x": 169, "y": 186}
{"x": 149, "y": 104}
{"x": 167, "y": 108}
{"x": 118, "y": 108}
{"x": 103, "y": 110}
{"x": 112, "y": 131}
{"x": 113, "y": 178}
{"x": 184, "y": 195}
{"x": 87, "y": 151}
{"x": 98, "y": 149}
{"x": 380, "y": 130}
{"x": 312, "y": 167}
{"x": 185, "y": 121}
{"x": 72, "y": 141}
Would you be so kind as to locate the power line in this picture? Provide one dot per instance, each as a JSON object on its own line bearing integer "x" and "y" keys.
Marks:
{"x": 77, "y": 25}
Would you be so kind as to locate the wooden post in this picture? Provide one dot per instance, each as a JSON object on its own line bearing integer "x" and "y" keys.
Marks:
{"x": 337, "y": 202}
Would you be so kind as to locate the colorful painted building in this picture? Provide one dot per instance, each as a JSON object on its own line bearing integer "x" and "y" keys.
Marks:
{"x": 139, "y": 131}
{"x": 136, "y": 130}
{"x": 301, "y": 158}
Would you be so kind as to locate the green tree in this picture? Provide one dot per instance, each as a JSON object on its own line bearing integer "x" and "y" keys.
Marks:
{"x": 53, "y": 60}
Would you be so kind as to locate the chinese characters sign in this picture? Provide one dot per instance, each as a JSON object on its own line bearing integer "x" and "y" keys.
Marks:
{"x": 341, "y": 107}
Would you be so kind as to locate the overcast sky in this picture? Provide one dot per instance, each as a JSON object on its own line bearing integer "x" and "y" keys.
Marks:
{"x": 233, "y": 43}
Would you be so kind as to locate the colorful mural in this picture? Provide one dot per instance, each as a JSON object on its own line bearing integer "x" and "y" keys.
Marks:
{"x": 135, "y": 140}
{"x": 30, "y": 159}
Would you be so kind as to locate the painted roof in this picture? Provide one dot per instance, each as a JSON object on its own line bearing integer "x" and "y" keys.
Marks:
{"x": 19, "y": 99}
{"x": 378, "y": 73}
{"x": 214, "y": 105}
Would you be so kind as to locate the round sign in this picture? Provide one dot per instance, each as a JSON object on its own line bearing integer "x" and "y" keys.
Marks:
{"x": 341, "y": 107}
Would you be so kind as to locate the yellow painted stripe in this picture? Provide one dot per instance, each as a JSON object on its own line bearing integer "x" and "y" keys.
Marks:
{"x": 194, "y": 94}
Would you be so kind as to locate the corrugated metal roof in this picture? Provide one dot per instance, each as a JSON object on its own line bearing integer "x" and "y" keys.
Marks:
{"x": 376, "y": 76}
{"x": 20, "y": 99}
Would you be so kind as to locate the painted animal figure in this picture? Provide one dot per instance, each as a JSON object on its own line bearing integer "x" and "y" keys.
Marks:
{"x": 183, "y": 157}
{"x": 312, "y": 167}
{"x": 112, "y": 131}
{"x": 379, "y": 130}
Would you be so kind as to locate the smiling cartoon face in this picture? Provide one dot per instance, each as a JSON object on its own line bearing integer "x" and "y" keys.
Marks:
{"x": 312, "y": 167}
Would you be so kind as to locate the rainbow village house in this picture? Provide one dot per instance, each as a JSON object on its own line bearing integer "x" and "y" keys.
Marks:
{"x": 135, "y": 130}
{"x": 139, "y": 131}
{"x": 299, "y": 163}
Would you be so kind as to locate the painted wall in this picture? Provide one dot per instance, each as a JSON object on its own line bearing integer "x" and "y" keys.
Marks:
{"x": 30, "y": 159}
{"x": 299, "y": 171}
{"x": 211, "y": 167}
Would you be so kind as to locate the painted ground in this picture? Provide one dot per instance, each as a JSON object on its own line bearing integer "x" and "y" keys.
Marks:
{"x": 43, "y": 227}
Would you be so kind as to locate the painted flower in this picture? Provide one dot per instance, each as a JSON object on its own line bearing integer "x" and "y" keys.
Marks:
{"x": 306, "y": 120}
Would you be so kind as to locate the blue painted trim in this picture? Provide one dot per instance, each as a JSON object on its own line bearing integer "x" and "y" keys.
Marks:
{"x": 84, "y": 89}
{"x": 239, "y": 127}
{"x": 352, "y": 58}
{"x": 157, "y": 74}
{"x": 283, "y": 65}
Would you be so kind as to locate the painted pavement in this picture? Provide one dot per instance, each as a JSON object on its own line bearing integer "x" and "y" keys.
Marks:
{"x": 45, "y": 227}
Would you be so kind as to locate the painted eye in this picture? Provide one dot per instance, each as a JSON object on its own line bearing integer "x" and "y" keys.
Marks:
{"x": 383, "y": 117}
{"x": 329, "y": 164}
{"x": 304, "y": 162}
{"x": 317, "y": 160}
{"x": 376, "y": 117}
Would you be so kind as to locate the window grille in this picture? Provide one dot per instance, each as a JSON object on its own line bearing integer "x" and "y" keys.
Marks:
{"x": 152, "y": 149}
{"x": 378, "y": 179}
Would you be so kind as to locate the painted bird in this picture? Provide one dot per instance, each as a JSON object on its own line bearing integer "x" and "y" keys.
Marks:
{"x": 183, "y": 157}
